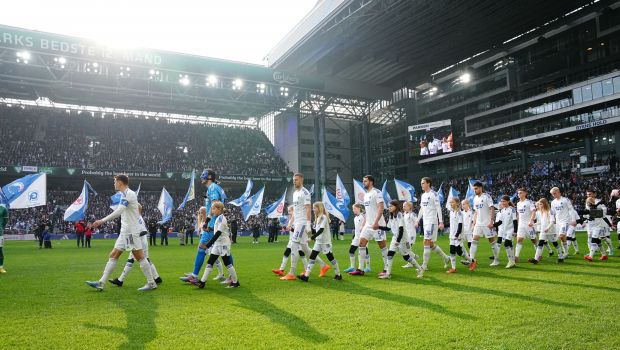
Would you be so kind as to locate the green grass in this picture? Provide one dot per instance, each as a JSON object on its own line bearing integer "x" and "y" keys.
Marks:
{"x": 44, "y": 304}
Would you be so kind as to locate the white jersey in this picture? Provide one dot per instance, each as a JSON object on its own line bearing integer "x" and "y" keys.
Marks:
{"x": 563, "y": 210}
{"x": 506, "y": 216}
{"x": 433, "y": 147}
{"x": 430, "y": 209}
{"x": 544, "y": 221}
{"x": 599, "y": 222}
{"x": 424, "y": 151}
{"x": 617, "y": 204}
{"x": 301, "y": 198}
{"x": 372, "y": 199}
{"x": 128, "y": 211}
{"x": 322, "y": 223}
{"x": 468, "y": 221}
{"x": 221, "y": 224}
{"x": 358, "y": 221}
{"x": 396, "y": 223}
{"x": 456, "y": 218}
{"x": 409, "y": 220}
{"x": 445, "y": 147}
{"x": 524, "y": 210}
{"x": 482, "y": 206}
{"x": 575, "y": 215}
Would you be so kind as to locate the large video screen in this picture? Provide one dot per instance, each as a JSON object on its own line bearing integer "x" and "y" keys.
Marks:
{"x": 431, "y": 139}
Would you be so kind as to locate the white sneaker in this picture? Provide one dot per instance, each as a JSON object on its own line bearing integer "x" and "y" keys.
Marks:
{"x": 148, "y": 286}
{"x": 494, "y": 263}
{"x": 219, "y": 278}
{"x": 385, "y": 276}
{"x": 420, "y": 273}
{"x": 511, "y": 264}
{"x": 95, "y": 284}
{"x": 407, "y": 265}
{"x": 226, "y": 281}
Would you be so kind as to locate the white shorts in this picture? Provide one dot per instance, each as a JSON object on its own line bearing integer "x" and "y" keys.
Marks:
{"x": 322, "y": 248}
{"x": 508, "y": 235}
{"x": 483, "y": 231}
{"x": 298, "y": 234}
{"x": 605, "y": 232}
{"x": 356, "y": 240}
{"x": 369, "y": 234}
{"x": 526, "y": 232}
{"x": 145, "y": 247}
{"x": 129, "y": 242}
{"x": 469, "y": 236}
{"x": 404, "y": 248}
{"x": 220, "y": 250}
{"x": 296, "y": 246}
{"x": 562, "y": 229}
{"x": 1, "y": 241}
{"x": 456, "y": 242}
{"x": 430, "y": 232}
{"x": 571, "y": 231}
{"x": 550, "y": 236}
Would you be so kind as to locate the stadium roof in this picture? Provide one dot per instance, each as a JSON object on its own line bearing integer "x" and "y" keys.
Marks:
{"x": 58, "y": 69}
{"x": 396, "y": 43}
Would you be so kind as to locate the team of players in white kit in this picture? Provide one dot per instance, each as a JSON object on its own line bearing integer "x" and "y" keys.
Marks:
{"x": 541, "y": 222}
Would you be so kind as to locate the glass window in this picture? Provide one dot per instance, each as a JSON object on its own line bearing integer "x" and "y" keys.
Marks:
{"x": 597, "y": 90}
{"x": 617, "y": 85}
{"x": 586, "y": 93}
{"x": 608, "y": 87}
{"x": 577, "y": 96}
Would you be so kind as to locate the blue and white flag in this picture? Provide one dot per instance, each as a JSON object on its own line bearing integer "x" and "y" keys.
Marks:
{"x": 276, "y": 210}
{"x": 334, "y": 206}
{"x": 165, "y": 206}
{"x": 27, "y": 192}
{"x": 253, "y": 205}
{"x": 190, "y": 194}
{"x": 470, "y": 191}
{"x": 440, "y": 194}
{"x": 3, "y": 200}
{"x": 311, "y": 190}
{"x": 514, "y": 197}
{"x": 248, "y": 190}
{"x": 341, "y": 192}
{"x": 115, "y": 199}
{"x": 77, "y": 210}
{"x": 358, "y": 191}
{"x": 452, "y": 193}
{"x": 499, "y": 198}
{"x": 405, "y": 191}
{"x": 386, "y": 196}
{"x": 138, "y": 190}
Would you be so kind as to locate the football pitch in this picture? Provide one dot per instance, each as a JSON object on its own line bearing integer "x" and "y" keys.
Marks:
{"x": 44, "y": 303}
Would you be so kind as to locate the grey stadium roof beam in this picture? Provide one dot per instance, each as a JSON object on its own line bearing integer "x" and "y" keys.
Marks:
{"x": 394, "y": 43}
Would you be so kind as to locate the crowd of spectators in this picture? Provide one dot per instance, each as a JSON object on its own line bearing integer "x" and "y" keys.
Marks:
{"x": 572, "y": 185}
{"x": 26, "y": 220}
{"x": 50, "y": 137}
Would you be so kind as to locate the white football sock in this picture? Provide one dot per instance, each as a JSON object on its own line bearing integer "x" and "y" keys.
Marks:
{"x": 145, "y": 266}
{"x": 126, "y": 270}
{"x": 109, "y": 267}
{"x": 427, "y": 256}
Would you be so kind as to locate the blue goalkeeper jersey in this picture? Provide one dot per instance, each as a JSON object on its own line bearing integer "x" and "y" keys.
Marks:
{"x": 214, "y": 193}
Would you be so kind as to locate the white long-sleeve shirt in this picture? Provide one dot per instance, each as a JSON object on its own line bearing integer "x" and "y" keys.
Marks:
{"x": 128, "y": 211}
{"x": 563, "y": 210}
{"x": 430, "y": 209}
